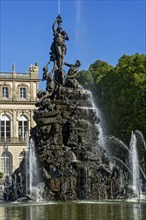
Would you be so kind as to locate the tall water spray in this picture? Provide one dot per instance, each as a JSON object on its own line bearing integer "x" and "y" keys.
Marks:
{"x": 134, "y": 164}
{"x": 27, "y": 164}
{"x": 33, "y": 180}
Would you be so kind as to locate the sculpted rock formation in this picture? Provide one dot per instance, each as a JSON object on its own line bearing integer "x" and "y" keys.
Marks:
{"x": 73, "y": 165}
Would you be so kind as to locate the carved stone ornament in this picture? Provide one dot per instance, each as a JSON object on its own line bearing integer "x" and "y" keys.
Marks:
{"x": 17, "y": 92}
{"x": 5, "y": 84}
{"x": 33, "y": 68}
{"x": 26, "y": 113}
{"x": 7, "y": 112}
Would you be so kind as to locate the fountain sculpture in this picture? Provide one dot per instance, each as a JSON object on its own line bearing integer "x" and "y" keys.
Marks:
{"x": 71, "y": 163}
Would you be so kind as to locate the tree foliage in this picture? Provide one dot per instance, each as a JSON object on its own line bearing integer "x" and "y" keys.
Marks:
{"x": 120, "y": 92}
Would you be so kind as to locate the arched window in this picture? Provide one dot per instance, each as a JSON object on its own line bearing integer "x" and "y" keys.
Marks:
{"x": 6, "y": 162}
{"x": 5, "y": 131}
{"x": 21, "y": 155}
{"x": 22, "y": 127}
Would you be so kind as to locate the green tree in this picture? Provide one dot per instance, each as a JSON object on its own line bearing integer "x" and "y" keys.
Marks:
{"x": 120, "y": 92}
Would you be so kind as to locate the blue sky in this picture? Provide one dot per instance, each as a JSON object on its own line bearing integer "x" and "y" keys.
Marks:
{"x": 103, "y": 30}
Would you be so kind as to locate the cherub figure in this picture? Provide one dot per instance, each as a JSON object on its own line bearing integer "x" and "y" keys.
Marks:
{"x": 48, "y": 77}
{"x": 72, "y": 73}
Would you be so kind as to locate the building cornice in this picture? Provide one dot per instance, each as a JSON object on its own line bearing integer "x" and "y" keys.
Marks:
{"x": 18, "y": 102}
{"x": 19, "y": 80}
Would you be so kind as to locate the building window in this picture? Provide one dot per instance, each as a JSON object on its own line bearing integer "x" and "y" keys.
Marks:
{"x": 5, "y": 127}
{"x": 5, "y": 92}
{"x": 22, "y": 127}
{"x": 6, "y": 162}
{"x": 23, "y": 93}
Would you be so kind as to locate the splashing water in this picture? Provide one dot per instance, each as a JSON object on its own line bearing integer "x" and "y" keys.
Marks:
{"x": 117, "y": 141}
{"x": 102, "y": 142}
{"x": 141, "y": 137}
{"x": 34, "y": 186}
{"x": 134, "y": 164}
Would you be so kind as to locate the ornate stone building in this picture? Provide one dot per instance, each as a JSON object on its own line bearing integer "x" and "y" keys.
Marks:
{"x": 18, "y": 95}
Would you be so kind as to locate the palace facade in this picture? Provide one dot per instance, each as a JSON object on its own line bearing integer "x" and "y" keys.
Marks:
{"x": 18, "y": 95}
